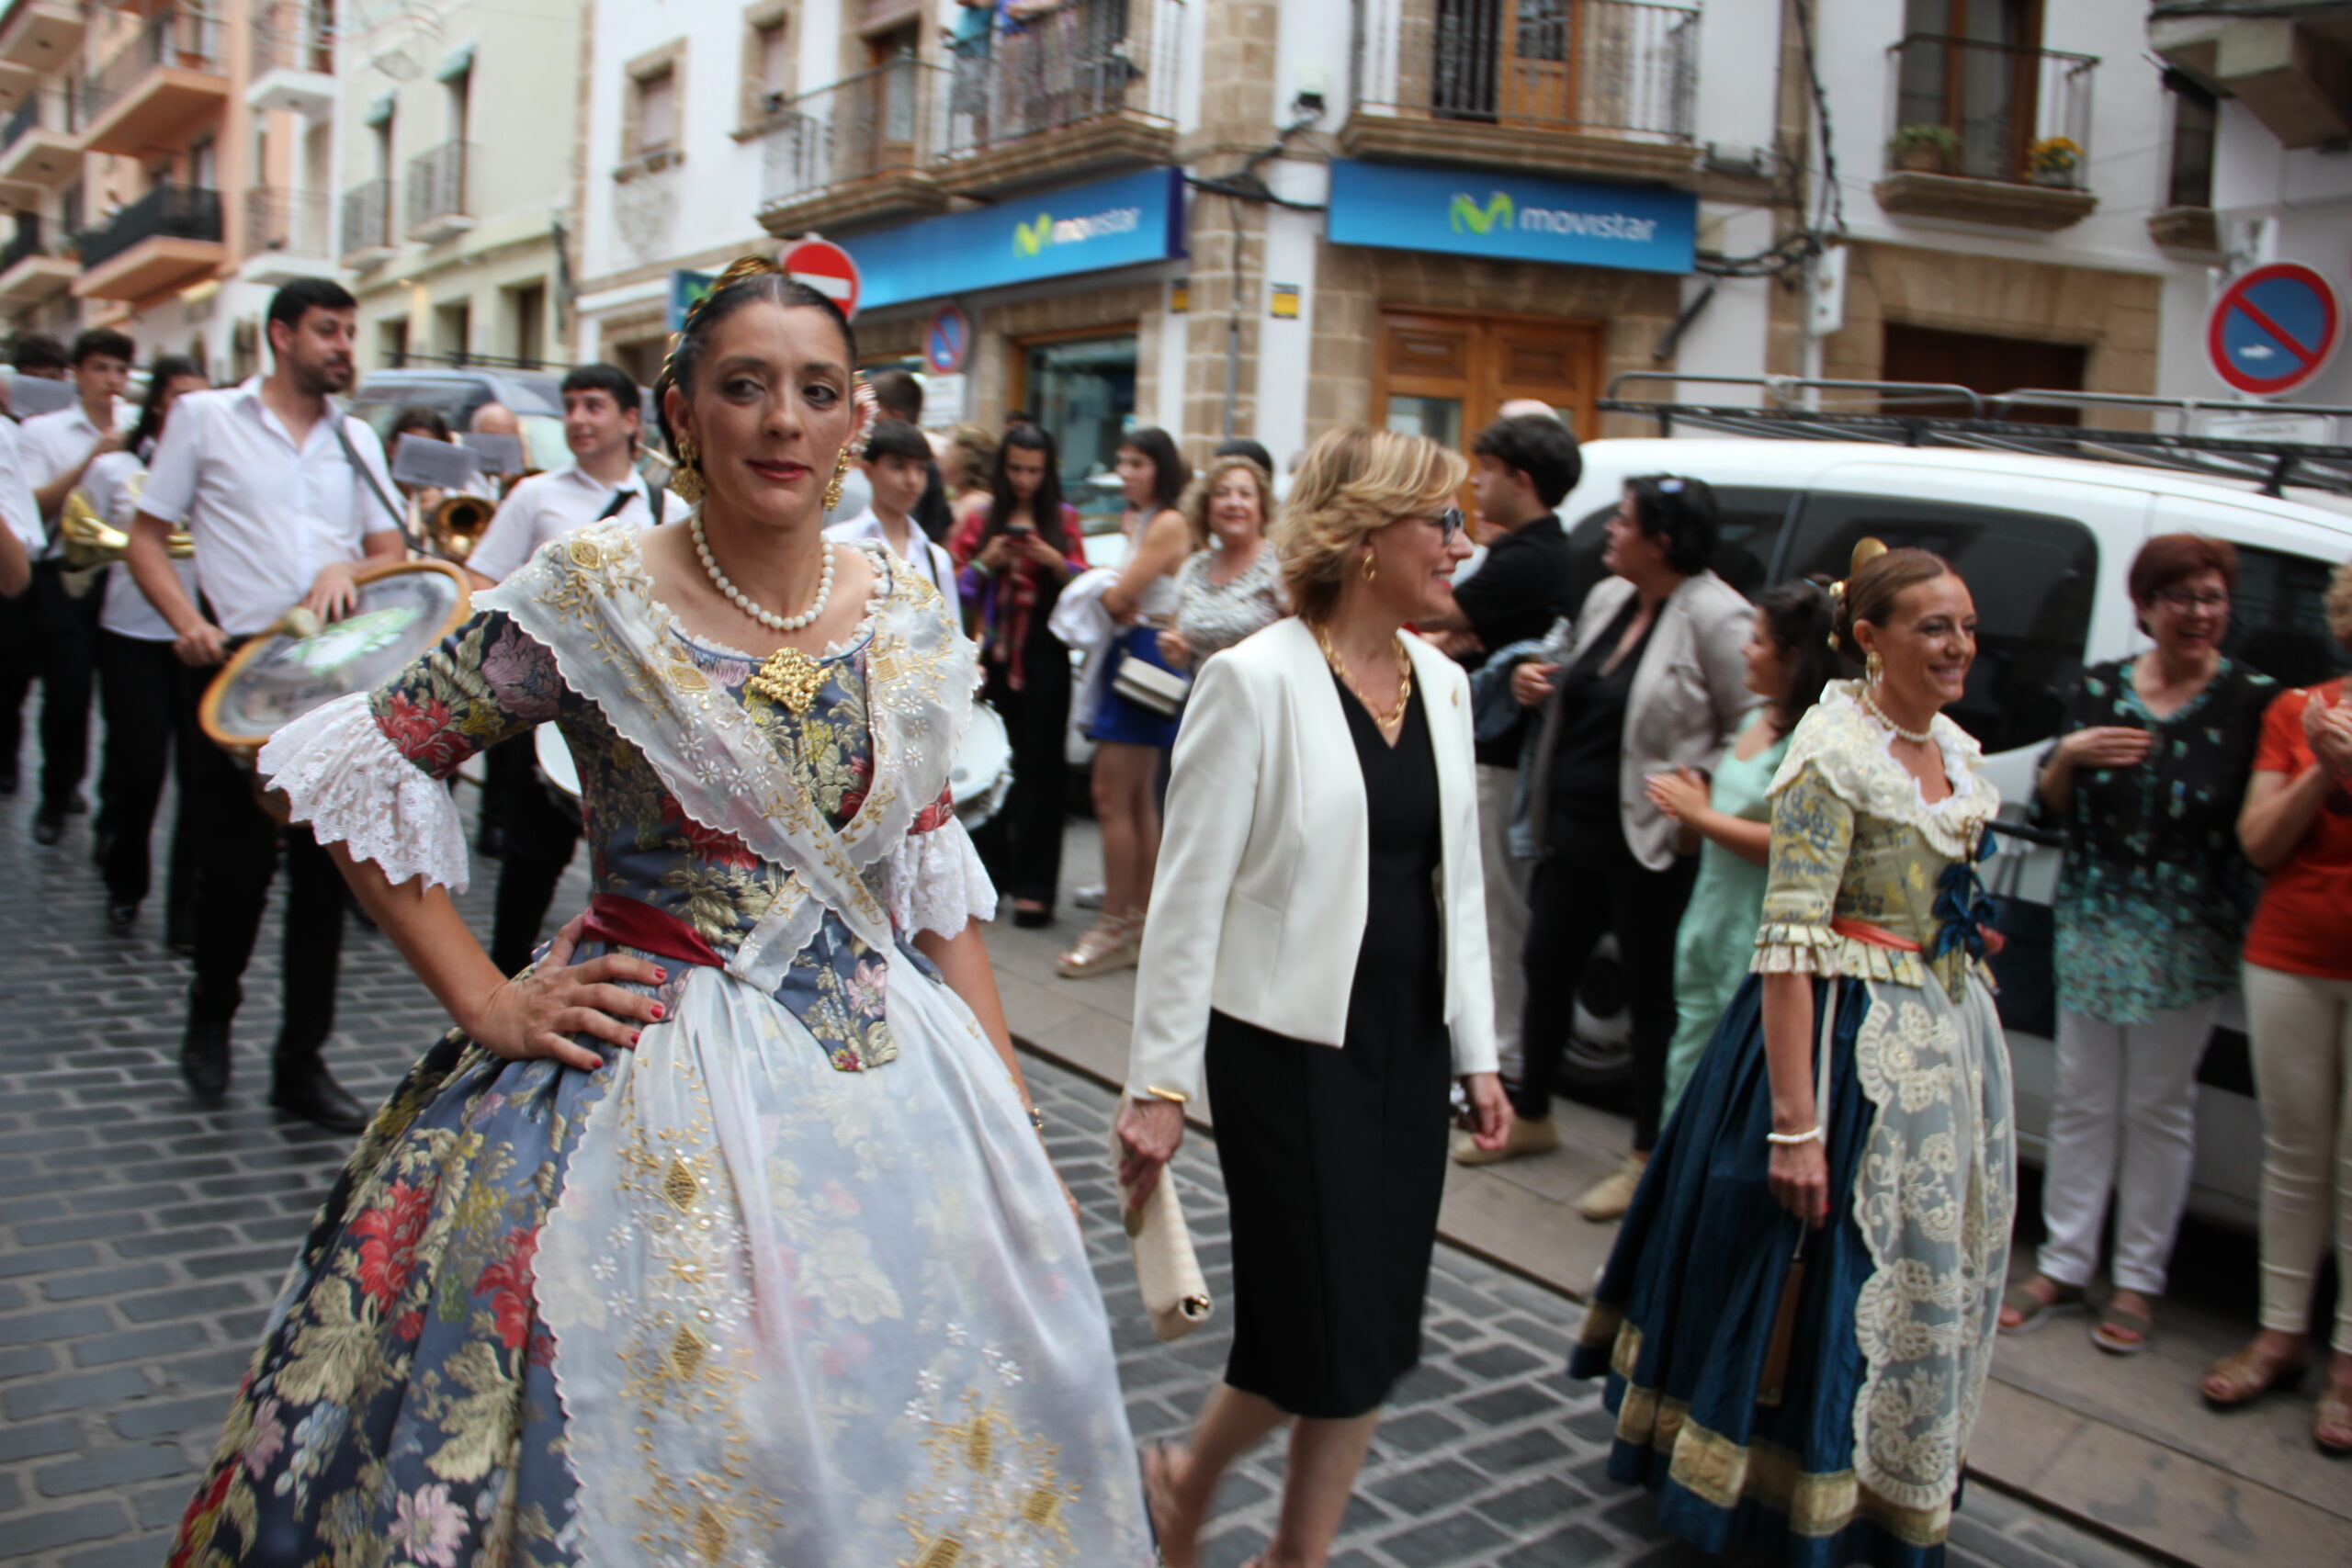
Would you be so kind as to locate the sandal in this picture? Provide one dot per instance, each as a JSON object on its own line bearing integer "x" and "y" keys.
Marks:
{"x": 2033, "y": 1310}
{"x": 2335, "y": 1415}
{"x": 1159, "y": 1492}
{"x": 2250, "y": 1374}
{"x": 2121, "y": 1331}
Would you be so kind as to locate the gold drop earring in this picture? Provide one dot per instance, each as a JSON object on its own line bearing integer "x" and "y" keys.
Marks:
{"x": 840, "y": 477}
{"x": 686, "y": 477}
{"x": 1873, "y": 668}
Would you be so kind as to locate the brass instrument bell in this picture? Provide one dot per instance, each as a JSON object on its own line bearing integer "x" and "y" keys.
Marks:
{"x": 90, "y": 541}
{"x": 458, "y": 525}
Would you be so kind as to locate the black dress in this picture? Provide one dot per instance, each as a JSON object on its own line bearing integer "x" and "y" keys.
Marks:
{"x": 1334, "y": 1160}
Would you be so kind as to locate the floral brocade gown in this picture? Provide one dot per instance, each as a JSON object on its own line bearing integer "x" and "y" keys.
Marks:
{"x": 789, "y": 1285}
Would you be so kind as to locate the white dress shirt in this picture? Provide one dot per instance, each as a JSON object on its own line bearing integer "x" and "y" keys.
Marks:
{"x": 125, "y": 612}
{"x": 267, "y": 516}
{"x": 547, "y": 506}
{"x": 932, "y": 563}
{"x": 18, "y": 508}
{"x": 54, "y": 444}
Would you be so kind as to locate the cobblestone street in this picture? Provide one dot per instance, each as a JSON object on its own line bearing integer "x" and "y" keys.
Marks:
{"x": 142, "y": 1238}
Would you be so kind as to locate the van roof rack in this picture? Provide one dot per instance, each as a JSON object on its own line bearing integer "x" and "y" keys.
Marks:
{"x": 1895, "y": 415}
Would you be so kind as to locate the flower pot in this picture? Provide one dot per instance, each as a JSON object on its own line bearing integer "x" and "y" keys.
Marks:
{"x": 2057, "y": 179}
{"x": 1923, "y": 160}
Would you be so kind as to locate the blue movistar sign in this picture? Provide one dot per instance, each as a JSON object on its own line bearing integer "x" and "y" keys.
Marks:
{"x": 1512, "y": 217}
{"x": 1107, "y": 223}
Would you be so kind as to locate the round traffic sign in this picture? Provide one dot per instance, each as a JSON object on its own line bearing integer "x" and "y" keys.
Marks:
{"x": 825, "y": 267}
{"x": 2274, "y": 329}
{"x": 945, "y": 343}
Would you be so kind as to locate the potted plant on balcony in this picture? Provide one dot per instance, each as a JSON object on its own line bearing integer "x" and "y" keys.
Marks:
{"x": 2055, "y": 161}
{"x": 1924, "y": 149}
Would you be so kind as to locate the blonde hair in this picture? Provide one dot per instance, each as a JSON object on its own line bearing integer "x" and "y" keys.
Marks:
{"x": 2340, "y": 605}
{"x": 1354, "y": 481}
{"x": 978, "y": 450}
{"x": 1196, "y": 504}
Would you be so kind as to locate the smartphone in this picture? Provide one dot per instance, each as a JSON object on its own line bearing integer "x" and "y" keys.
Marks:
{"x": 1021, "y": 530}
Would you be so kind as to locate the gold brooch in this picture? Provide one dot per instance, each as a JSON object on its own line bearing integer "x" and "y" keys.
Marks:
{"x": 790, "y": 677}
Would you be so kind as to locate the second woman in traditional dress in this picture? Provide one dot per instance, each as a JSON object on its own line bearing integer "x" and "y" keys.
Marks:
{"x": 1799, "y": 1314}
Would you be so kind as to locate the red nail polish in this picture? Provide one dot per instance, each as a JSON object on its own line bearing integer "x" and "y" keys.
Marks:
{"x": 657, "y": 1010}
{"x": 635, "y": 1037}
{"x": 661, "y": 975}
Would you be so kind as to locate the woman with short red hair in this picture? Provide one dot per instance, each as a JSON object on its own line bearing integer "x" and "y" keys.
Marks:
{"x": 2147, "y": 778}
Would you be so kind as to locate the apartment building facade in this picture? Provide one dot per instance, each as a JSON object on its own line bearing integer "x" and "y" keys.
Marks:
{"x": 455, "y": 139}
{"x": 166, "y": 165}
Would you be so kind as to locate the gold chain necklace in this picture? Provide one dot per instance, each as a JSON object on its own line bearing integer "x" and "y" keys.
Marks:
{"x": 1395, "y": 719}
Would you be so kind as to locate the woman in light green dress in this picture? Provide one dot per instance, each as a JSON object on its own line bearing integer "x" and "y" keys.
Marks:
{"x": 1788, "y": 661}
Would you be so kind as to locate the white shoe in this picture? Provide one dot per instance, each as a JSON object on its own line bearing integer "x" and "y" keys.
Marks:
{"x": 1088, "y": 898}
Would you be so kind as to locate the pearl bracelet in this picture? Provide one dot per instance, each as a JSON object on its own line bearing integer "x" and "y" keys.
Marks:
{"x": 1808, "y": 1136}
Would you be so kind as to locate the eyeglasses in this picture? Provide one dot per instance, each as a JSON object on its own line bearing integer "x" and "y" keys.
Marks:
{"x": 1449, "y": 523}
{"x": 2180, "y": 599}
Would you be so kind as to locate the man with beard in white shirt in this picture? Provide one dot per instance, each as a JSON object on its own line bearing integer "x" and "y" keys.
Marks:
{"x": 284, "y": 496}
{"x": 602, "y": 422}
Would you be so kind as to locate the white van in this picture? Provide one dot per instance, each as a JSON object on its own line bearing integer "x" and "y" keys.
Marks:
{"x": 2045, "y": 544}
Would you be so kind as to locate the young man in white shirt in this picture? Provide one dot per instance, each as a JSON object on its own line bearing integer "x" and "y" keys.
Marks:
{"x": 263, "y": 479}
{"x": 897, "y": 469}
{"x": 57, "y": 450}
{"x": 602, "y": 418}
{"x": 40, "y": 356}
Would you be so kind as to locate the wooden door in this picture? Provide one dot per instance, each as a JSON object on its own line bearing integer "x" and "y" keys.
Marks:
{"x": 1446, "y": 373}
{"x": 1540, "y": 39}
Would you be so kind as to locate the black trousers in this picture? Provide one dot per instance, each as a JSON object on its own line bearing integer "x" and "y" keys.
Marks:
{"x": 236, "y": 860}
{"x": 67, "y": 629}
{"x": 540, "y": 837}
{"x": 1569, "y": 908}
{"x": 19, "y": 666}
{"x": 148, "y": 699}
{"x": 1021, "y": 844}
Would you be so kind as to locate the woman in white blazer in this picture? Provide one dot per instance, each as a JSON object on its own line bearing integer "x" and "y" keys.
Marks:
{"x": 1656, "y": 678}
{"x": 1318, "y": 938}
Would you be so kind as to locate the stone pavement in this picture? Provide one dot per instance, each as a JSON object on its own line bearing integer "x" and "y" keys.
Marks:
{"x": 142, "y": 1238}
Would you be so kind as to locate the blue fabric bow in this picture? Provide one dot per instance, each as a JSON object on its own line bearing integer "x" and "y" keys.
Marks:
{"x": 1962, "y": 910}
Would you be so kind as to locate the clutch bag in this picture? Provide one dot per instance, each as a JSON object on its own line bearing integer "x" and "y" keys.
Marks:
{"x": 1175, "y": 1293}
{"x": 1147, "y": 685}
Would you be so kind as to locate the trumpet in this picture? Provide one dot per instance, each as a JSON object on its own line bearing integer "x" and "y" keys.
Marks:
{"x": 90, "y": 541}
{"x": 458, "y": 525}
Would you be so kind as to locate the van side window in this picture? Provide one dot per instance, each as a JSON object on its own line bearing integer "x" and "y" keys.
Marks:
{"x": 1752, "y": 518}
{"x": 2030, "y": 573}
{"x": 2279, "y": 618}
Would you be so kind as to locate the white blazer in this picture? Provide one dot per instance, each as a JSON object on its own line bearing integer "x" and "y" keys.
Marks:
{"x": 1258, "y": 908}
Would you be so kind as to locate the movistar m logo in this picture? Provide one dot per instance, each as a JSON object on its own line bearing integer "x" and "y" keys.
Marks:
{"x": 1499, "y": 209}
{"x": 1031, "y": 238}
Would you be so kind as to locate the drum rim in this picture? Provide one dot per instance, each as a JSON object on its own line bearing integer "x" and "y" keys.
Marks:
{"x": 208, "y": 710}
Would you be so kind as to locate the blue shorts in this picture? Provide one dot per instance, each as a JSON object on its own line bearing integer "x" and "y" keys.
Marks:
{"x": 1116, "y": 718}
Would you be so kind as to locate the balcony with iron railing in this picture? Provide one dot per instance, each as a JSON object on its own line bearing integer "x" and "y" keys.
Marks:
{"x": 291, "y": 58}
{"x": 40, "y": 37}
{"x": 38, "y": 149}
{"x": 286, "y": 235}
{"x": 1987, "y": 133}
{"x": 31, "y": 269}
{"x": 169, "y": 237}
{"x": 366, "y": 224}
{"x": 853, "y": 151}
{"x": 1605, "y": 87}
{"x": 439, "y": 205}
{"x": 168, "y": 82}
{"x": 1085, "y": 85}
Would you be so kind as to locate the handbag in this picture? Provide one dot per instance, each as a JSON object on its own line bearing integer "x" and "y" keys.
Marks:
{"x": 2024, "y": 967}
{"x": 1149, "y": 685}
{"x": 1168, "y": 1272}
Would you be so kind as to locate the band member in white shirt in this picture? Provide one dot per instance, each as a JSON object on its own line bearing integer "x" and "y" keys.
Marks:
{"x": 284, "y": 496}
{"x": 602, "y": 421}
{"x": 897, "y": 469}
{"x": 59, "y": 447}
{"x": 38, "y": 356}
{"x": 146, "y": 695}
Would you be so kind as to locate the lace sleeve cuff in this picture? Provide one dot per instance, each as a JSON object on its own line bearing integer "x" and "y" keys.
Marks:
{"x": 1784, "y": 948}
{"x": 342, "y": 776}
{"x": 934, "y": 882}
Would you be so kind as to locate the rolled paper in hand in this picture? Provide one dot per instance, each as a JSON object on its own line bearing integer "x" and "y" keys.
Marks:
{"x": 1175, "y": 1293}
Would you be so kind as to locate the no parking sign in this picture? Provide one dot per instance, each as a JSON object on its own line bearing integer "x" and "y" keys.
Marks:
{"x": 2274, "y": 329}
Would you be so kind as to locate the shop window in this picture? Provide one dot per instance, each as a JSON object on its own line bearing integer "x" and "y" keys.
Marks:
{"x": 1752, "y": 518}
{"x": 2194, "y": 113}
{"x": 1082, "y": 392}
{"x": 2279, "y": 618}
{"x": 2032, "y": 573}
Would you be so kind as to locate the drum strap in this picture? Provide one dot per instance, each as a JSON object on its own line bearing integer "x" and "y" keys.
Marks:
{"x": 613, "y": 508}
{"x": 351, "y": 454}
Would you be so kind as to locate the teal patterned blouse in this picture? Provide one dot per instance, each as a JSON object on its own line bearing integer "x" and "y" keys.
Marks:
{"x": 2155, "y": 896}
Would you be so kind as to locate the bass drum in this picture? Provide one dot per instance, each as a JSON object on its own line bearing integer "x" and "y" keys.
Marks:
{"x": 556, "y": 768}
{"x": 982, "y": 771}
{"x": 404, "y": 608}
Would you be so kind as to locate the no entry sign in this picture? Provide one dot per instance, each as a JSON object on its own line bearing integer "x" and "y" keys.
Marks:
{"x": 827, "y": 268}
{"x": 2274, "y": 329}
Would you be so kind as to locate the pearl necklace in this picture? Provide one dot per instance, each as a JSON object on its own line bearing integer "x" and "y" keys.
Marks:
{"x": 743, "y": 601}
{"x": 1916, "y": 736}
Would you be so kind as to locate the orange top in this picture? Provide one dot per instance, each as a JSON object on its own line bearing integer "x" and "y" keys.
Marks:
{"x": 2300, "y": 925}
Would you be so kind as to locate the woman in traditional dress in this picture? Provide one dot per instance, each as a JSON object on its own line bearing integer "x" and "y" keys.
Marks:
{"x": 1798, "y": 1316}
{"x": 725, "y": 1235}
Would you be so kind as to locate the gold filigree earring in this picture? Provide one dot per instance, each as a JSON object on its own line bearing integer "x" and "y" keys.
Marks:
{"x": 1370, "y": 568}
{"x": 686, "y": 477}
{"x": 1873, "y": 668}
{"x": 840, "y": 477}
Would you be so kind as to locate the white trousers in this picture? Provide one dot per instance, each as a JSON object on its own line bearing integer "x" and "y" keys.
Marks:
{"x": 2122, "y": 1128}
{"x": 1506, "y": 911}
{"x": 2302, "y": 1026}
